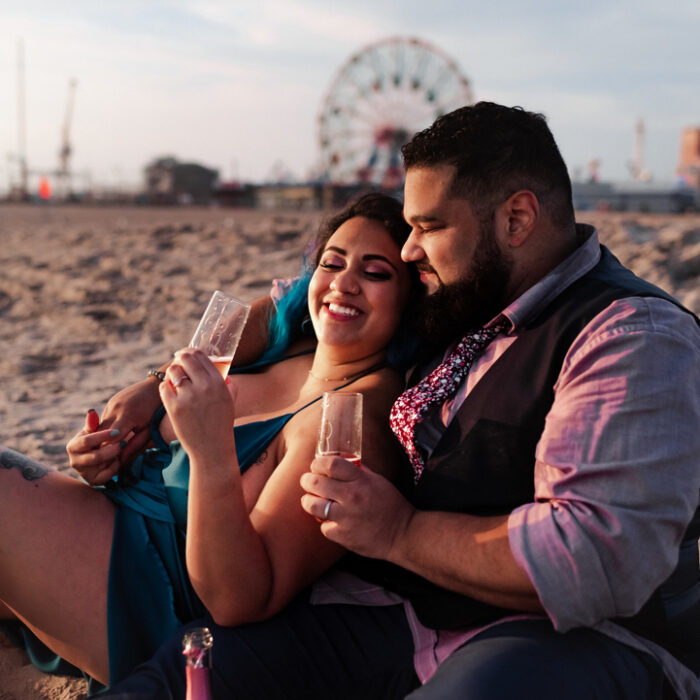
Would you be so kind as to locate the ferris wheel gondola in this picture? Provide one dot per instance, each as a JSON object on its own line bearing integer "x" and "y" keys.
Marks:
{"x": 378, "y": 99}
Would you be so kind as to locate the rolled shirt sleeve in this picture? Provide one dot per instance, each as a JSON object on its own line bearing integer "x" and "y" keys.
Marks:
{"x": 617, "y": 475}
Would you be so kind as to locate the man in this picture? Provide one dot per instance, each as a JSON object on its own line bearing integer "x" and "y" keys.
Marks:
{"x": 553, "y": 442}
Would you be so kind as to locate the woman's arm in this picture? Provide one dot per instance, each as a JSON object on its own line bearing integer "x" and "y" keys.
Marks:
{"x": 130, "y": 410}
{"x": 247, "y": 562}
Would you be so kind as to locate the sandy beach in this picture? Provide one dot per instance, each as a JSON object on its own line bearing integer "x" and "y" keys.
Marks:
{"x": 91, "y": 298}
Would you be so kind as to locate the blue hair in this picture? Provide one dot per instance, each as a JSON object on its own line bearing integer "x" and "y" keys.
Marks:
{"x": 287, "y": 324}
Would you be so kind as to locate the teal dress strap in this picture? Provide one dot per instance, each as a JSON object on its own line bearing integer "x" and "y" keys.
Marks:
{"x": 261, "y": 364}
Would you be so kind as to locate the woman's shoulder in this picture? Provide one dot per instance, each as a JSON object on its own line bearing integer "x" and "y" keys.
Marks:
{"x": 381, "y": 387}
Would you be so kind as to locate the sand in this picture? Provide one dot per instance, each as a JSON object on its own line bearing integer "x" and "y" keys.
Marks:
{"x": 91, "y": 298}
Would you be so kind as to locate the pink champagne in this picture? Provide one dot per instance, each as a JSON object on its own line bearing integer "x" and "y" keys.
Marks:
{"x": 222, "y": 364}
{"x": 350, "y": 456}
{"x": 196, "y": 647}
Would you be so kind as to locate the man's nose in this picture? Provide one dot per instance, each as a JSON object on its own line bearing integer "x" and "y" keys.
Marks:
{"x": 411, "y": 251}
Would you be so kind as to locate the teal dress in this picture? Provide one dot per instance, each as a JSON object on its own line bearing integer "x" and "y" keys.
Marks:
{"x": 149, "y": 592}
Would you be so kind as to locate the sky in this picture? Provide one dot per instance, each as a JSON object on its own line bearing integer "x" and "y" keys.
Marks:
{"x": 239, "y": 86}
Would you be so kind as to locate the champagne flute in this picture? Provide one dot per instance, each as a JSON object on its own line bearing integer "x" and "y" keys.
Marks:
{"x": 220, "y": 329}
{"x": 340, "y": 434}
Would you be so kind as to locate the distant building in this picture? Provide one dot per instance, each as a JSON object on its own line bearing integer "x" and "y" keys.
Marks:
{"x": 235, "y": 194}
{"x": 689, "y": 160}
{"x": 171, "y": 182}
{"x": 652, "y": 197}
{"x": 283, "y": 196}
{"x": 310, "y": 196}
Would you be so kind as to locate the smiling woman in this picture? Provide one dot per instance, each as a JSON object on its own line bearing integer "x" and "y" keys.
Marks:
{"x": 227, "y": 455}
{"x": 359, "y": 289}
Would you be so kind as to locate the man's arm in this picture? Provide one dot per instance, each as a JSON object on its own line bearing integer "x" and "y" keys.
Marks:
{"x": 617, "y": 476}
{"x": 616, "y": 484}
{"x": 464, "y": 553}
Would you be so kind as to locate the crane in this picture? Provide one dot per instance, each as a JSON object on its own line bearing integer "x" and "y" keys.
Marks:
{"x": 63, "y": 173}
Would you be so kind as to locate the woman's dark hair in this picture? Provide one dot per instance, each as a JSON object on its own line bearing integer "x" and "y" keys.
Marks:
{"x": 291, "y": 319}
{"x": 375, "y": 206}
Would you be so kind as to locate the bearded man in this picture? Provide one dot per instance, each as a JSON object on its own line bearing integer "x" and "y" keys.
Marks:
{"x": 545, "y": 542}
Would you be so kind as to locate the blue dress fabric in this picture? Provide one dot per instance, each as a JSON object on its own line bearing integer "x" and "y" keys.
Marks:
{"x": 150, "y": 594}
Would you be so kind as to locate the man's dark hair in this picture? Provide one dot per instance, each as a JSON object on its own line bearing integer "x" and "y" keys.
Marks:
{"x": 496, "y": 151}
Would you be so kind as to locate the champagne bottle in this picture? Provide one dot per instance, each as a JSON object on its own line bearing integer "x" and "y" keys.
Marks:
{"x": 196, "y": 647}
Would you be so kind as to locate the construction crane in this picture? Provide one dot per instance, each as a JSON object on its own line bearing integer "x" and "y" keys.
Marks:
{"x": 63, "y": 174}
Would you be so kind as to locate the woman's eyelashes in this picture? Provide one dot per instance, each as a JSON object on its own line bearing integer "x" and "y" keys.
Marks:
{"x": 380, "y": 275}
{"x": 371, "y": 272}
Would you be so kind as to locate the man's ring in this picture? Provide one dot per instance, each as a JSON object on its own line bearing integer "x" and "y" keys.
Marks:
{"x": 327, "y": 509}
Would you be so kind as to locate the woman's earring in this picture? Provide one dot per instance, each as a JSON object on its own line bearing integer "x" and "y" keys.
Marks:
{"x": 307, "y": 327}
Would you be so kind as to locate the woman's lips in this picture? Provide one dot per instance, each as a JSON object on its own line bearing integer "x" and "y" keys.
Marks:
{"x": 342, "y": 312}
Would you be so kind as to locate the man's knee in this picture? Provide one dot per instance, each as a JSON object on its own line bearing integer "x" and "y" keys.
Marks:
{"x": 528, "y": 659}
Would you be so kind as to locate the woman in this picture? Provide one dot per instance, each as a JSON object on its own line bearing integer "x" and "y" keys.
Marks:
{"x": 249, "y": 548}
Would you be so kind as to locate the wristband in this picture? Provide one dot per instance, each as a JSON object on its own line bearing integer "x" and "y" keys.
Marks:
{"x": 160, "y": 376}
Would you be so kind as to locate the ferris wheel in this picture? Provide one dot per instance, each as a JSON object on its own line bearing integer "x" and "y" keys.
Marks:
{"x": 378, "y": 99}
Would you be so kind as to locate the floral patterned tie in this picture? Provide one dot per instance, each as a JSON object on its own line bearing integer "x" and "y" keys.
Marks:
{"x": 436, "y": 388}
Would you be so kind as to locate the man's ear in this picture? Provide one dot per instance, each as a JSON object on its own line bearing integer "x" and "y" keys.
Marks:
{"x": 519, "y": 215}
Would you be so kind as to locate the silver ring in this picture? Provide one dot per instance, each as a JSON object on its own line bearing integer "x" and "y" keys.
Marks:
{"x": 179, "y": 380}
{"x": 327, "y": 509}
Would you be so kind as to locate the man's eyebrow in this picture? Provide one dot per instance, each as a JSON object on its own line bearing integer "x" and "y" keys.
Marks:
{"x": 418, "y": 218}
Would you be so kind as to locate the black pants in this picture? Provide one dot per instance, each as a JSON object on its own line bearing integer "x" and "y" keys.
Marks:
{"x": 344, "y": 651}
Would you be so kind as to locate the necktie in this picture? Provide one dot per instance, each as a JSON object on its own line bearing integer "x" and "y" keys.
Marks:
{"x": 436, "y": 388}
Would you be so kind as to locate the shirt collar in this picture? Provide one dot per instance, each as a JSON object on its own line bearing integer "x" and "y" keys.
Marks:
{"x": 531, "y": 302}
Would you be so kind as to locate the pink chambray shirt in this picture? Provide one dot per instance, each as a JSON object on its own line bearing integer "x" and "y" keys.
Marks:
{"x": 617, "y": 472}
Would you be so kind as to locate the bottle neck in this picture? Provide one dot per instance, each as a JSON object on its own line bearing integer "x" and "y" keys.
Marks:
{"x": 198, "y": 685}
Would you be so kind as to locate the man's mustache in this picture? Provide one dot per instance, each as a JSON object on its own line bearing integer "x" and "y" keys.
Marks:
{"x": 425, "y": 267}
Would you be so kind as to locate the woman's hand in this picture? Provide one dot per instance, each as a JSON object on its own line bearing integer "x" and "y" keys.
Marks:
{"x": 128, "y": 413}
{"x": 200, "y": 405}
{"x": 94, "y": 454}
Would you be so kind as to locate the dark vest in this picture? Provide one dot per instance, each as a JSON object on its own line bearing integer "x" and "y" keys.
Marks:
{"x": 484, "y": 464}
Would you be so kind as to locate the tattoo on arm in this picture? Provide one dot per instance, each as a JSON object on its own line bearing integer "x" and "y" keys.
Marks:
{"x": 30, "y": 470}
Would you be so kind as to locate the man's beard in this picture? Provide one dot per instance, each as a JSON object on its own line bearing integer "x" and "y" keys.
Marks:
{"x": 467, "y": 304}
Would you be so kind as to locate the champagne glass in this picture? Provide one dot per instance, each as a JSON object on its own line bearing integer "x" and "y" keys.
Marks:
{"x": 340, "y": 434}
{"x": 220, "y": 329}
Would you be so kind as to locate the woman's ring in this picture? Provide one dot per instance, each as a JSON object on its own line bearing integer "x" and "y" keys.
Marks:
{"x": 176, "y": 382}
{"x": 327, "y": 509}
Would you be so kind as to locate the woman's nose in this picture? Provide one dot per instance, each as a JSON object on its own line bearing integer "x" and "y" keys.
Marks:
{"x": 345, "y": 281}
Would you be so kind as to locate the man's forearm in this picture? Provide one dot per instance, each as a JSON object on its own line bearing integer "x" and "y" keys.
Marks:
{"x": 466, "y": 554}
{"x": 255, "y": 333}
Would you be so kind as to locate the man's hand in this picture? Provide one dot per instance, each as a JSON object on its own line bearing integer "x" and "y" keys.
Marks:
{"x": 367, "y": 514}
{"x": 129, "y": 411}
